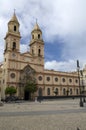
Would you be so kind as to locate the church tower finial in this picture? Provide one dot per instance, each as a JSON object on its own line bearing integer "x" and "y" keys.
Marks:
{"x": 14, "y": 11}
{"x": 36, "y": 20}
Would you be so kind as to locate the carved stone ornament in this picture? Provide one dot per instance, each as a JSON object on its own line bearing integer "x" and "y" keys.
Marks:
{"x": 12, "y": 75}
{"x": 28, "y": 70}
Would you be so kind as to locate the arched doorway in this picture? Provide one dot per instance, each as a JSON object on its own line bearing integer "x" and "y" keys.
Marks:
{"x": 40, "y": 92}
{"x": 26, "y": 95}
{"x": 27, "y": 79}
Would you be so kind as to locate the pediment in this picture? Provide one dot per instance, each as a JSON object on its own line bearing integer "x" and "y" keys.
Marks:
{"x": 28, "y": 70}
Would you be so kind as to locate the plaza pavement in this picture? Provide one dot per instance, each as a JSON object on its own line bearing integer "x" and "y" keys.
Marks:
{"x": 47, "y": 115}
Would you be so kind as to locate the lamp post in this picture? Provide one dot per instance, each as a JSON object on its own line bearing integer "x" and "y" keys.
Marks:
{"x": 83, "y": 87}
{"x": 78, "y": 69}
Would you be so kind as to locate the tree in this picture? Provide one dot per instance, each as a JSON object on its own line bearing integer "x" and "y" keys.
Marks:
{"x": 10, "y": 90}
{"x": 31, "y": 87}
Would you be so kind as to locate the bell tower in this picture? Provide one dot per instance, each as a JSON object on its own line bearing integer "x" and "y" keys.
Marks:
{"x": 37, "y": 45}
{"x": 12, "y": 38}
{"x": 11, "y": 54}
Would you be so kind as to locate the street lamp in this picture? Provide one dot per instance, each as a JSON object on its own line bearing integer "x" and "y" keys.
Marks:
{"x": 82, "y": 83}
{"x": 78, "y": 69}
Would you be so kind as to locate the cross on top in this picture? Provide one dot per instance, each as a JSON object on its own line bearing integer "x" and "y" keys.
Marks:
{"x": 14, "y": 11}
{"x": 36, "y": 20}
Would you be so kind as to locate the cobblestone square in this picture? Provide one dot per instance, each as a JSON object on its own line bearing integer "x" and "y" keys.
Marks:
{"x": 47, "y": 115}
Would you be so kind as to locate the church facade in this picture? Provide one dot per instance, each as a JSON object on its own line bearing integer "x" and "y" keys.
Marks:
{"x": 17, "y": 66}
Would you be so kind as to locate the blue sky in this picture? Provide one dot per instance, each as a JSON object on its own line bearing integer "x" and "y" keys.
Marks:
{"x": 53, "y": 50}
{"x": 63, "y": 24}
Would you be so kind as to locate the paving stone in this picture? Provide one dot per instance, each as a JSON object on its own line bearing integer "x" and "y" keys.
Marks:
{"x": 68, "y": 116}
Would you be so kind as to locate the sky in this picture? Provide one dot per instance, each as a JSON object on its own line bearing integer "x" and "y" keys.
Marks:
{"x": 63, "y": 25}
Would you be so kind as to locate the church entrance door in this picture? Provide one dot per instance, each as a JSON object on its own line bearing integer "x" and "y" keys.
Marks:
{"x": 26, "y": 95}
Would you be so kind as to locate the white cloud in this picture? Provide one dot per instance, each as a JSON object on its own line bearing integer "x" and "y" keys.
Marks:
{"x": 63, "y": 18}
{"x": 61, "y": 66}
{"x": 70, "y": 65}
{"x": 24, "y": 48}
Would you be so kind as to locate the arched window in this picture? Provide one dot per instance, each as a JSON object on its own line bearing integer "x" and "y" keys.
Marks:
{"x": 64, "y": 91}
{"x": 70, "y": 80}
{"x": 56, "y": 79}
{"x": 76, "y": 81}
{"x": 71, "y": 91}
{"x": 14, "y": 45}
{"x": 48, "y": 91}
{"x": 39, "y": 51}
{"x": 14, "y": 28}
{"x": 56, "y": 91}
{"x": 38, "y": 36}
{"x": 48, "y": 78}
{"x": 32, "y": 36}
{"x": 3, "y": 81}
{"x": 77, "y": 91}
{"x": 40, "y": 91}
{"x": 63, "y": 79}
